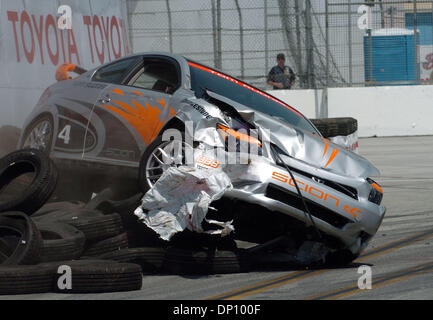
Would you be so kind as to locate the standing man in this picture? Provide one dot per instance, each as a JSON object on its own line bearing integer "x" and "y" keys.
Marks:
{"x": 281, "y": 76}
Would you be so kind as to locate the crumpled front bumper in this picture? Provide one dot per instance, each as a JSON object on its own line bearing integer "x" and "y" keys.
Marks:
{"x": 352, "y": 221}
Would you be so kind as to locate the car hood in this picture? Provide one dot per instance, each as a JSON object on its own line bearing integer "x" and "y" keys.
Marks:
{"x": 303, "y": 145}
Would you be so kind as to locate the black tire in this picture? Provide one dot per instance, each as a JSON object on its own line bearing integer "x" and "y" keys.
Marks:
{"x": 60, "y": 242}
{"x": 97, "y": 227}
{"x": 25, "y": 279}
{"x": 58, "y": 206}
{"x": 27, "y": 250}
{"x": 179, "y": 261}
{"x": 332, "y": 127}
{"x": 125, "y": 208}
{"x": 97, "y": 276}
{"x": 66, "y": 215}
{"x": 106, "y": 246}
{"x": 38, "y": 191}
{"x": 149, "y": 258}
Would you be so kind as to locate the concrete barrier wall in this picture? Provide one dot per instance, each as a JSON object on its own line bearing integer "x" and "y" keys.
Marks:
{"x": 305, "y": 101}
{"x": 380, "y": 111}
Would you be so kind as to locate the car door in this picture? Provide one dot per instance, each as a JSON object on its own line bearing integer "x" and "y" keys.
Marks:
{"x": 103, "y": 125}
{"x": 73, "y": 108}
{"x": 134, "y": 110}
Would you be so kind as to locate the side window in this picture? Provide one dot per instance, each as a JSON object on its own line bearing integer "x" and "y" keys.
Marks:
{"x": 114, "y": 72}
{"x": 158, "y": 75}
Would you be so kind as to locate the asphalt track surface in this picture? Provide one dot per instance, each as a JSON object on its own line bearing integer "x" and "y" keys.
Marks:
{"x": 400, "y": 255}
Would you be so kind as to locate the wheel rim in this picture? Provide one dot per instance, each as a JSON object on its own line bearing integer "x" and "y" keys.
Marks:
{"x": 168, "y": 154}
{"x": 39, "y": 137}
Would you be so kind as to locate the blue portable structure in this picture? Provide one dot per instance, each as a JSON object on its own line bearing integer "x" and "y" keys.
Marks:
{"x": 424, "y": 25}
{"x": 393, "y": 56}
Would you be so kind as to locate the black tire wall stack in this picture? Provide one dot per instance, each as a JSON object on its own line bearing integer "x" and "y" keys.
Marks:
{"x": 59, "y": 232}
{"x": 333, "y": 127}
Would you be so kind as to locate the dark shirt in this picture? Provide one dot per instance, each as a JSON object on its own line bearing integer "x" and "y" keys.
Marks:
{"x": 285, "y": 76}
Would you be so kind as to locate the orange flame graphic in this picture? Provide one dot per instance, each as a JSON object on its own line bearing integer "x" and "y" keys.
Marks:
{"x": 144, "y": 119}
{"x": 333, "y": 154}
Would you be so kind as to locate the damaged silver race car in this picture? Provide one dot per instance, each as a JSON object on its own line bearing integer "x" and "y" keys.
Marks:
{"x": 297, "y": 185}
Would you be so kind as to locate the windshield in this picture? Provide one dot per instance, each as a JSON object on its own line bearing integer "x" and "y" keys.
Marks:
{"x": 236, "y": 90}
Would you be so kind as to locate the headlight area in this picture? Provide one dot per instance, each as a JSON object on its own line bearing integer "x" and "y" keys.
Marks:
{"x": 239, "y": 140}
{"x": 376, "y": 193}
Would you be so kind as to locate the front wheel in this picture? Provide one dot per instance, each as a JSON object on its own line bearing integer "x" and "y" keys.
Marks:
{"x": 158, "y": 157}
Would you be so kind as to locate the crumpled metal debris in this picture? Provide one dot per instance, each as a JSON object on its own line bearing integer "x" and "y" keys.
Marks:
{"x": 180, "y": 200}
{"x": 349, "y": 142}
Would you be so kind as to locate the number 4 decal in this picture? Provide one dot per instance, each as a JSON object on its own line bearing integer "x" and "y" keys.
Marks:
{"x": 65, "y": 134}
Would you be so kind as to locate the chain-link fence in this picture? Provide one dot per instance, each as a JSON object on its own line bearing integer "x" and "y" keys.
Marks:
{"x": 386, "y": 42}
{"x": 327, "y": 43}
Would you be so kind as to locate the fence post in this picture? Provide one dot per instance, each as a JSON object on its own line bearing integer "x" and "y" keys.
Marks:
{"x": 299, "y": 45}
{"x": 370, "y": 56}
{"x": 324, "y": 106}
{"x": 370, "y": 50}
{"x": 382, "y": 14}
{"x": 170, "y": 28}
{"x": 309, "y": 42}
{"x": 130, "y": 31}
{"x": 214, "y": 34}
{"x": 415, "y": 39}
{"x": 241, "y": 39}
{"x": 349, "y": 19}
{"x": 219, "y": 53}
{"x": 265, "y": 2}
{"x": 327, "y": 41}
{"x": 392, "y": 17}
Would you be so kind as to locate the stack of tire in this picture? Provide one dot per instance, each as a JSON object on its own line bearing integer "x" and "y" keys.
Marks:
{"x": 333, "y": 127}
{"x": 102, "y": 242}
{"x": 34, "y": 247}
